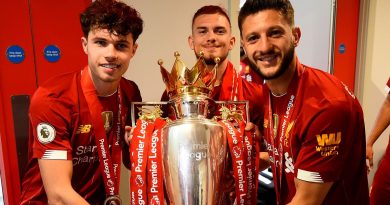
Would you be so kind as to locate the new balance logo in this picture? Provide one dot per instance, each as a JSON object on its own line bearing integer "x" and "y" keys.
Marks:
{"x": 329, "y": 139}
{"x": 84, "y": 129}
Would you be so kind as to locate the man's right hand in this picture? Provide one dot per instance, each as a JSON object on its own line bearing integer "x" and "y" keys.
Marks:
{"x": 128, "y": 134}
{"x": 369, "y": 158}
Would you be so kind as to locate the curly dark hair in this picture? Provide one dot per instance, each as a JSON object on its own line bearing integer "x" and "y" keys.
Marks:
{"x": 117, "y": 17}
{"x": 254, "y": 6}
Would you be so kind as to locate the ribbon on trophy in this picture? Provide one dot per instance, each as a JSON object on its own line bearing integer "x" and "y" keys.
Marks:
{"x": 146, "y": 181}
{"x": 243, "y": 149}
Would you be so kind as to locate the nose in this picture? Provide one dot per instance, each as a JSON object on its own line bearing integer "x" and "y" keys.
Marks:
{"x": 264, "y": 44}
{"x": 211, "y": 37}
{"x": 111, "y": 53}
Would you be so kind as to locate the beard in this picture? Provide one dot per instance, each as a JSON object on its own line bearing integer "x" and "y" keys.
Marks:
{"x": 209, "y": 60}
{"x": 286, "y": 61}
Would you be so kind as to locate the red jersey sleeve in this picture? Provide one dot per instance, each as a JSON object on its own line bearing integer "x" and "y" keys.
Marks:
{"x": 324, "y": 147}
{"x": 387, "y": 88}
{"x": 49, "y": 119}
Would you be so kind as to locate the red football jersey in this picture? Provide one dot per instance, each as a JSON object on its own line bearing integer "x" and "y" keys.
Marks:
{"x": 247, "y": 72}
{"x": 322, "y": 140}
{"x": 61, "y": 128}
{"x": 233, "y": 87}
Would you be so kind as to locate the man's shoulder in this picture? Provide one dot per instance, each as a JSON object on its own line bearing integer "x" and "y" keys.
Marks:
{"x": 128, "y": 83}
{"x": 130, "y": 89}
{"x": 323, "y": 91}
{"x": 322, "y": 85}
{"x": 59, "y": 88}
{"x": 60, "y": 82}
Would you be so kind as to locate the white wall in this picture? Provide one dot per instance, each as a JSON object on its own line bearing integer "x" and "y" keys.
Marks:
{"x": 167, "y": 24}
{"x": 375, "y": 69}
{"x": 314, "y": 18}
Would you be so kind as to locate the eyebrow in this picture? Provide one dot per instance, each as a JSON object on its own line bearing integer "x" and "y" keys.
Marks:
{"x": 105, "y": 39}
{"x": 220, "y": 27}
{"x": 275, "y": 27}
{"x": 123, "y": 41}
{"x": 205, "y": 27}
{"x": 201, "y": 28}
{"x": 98, "y": 38}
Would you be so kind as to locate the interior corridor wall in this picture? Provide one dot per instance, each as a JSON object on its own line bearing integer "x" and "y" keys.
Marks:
{"x": 375, "y": 68}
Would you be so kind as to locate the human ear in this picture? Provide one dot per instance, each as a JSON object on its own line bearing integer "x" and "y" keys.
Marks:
{"x": 191, "y": 42}
{"x": 296, "y": 35}
{"x": 84, "y": 43}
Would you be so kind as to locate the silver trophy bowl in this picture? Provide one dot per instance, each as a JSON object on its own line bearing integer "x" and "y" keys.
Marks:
{"x": 194, "y": 153}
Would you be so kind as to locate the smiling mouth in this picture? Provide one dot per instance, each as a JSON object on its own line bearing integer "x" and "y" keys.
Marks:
{"x": 267, "y": 58}
{"x": 208, "y": 46}
{"x": 110, "y": 66}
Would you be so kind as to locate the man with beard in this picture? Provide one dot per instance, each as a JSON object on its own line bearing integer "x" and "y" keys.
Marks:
{"x": 313, "y": 125}
{"x": 212, "y": 35}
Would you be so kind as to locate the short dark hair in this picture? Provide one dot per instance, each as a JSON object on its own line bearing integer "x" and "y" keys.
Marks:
{"x": 254, "y": 6}
{"x": 117, "y": 17}
{"x": 210, "y": 9}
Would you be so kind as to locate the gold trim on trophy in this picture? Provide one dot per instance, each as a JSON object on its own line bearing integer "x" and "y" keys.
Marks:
{"x": 150, "y": 114}
{"x": 229, "y": 114}
{"x": 182, "y": 80}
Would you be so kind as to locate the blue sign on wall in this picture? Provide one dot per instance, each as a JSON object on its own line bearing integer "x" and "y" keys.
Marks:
{"x": 342, "y": 48}
{"x": 15, "y": 54}
{"x": 52, "y": 53}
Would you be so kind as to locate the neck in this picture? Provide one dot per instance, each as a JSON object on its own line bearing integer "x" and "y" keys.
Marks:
{"x": 279, "y": 86}
{"x": 103, "y": 88}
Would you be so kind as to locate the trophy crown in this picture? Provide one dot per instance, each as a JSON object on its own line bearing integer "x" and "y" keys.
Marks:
{"x": 182, "y": 80}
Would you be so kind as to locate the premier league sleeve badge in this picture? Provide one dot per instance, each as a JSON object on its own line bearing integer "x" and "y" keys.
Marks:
{"x": 45, "y": 133}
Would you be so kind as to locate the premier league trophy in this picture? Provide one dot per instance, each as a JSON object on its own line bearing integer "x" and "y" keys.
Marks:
{"x": 194, "y": 147}
{"x": 187, "y": 151}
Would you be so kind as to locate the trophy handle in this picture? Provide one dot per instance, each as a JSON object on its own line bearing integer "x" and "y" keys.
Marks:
{"x": 239, "y": 106}
{"x": 146, "y": 111}
{"x": 140, "y": 108}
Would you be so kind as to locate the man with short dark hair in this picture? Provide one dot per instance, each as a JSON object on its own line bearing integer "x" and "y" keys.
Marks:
{"x": 83, "y": 115}
{"x": 313, "y": 125}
